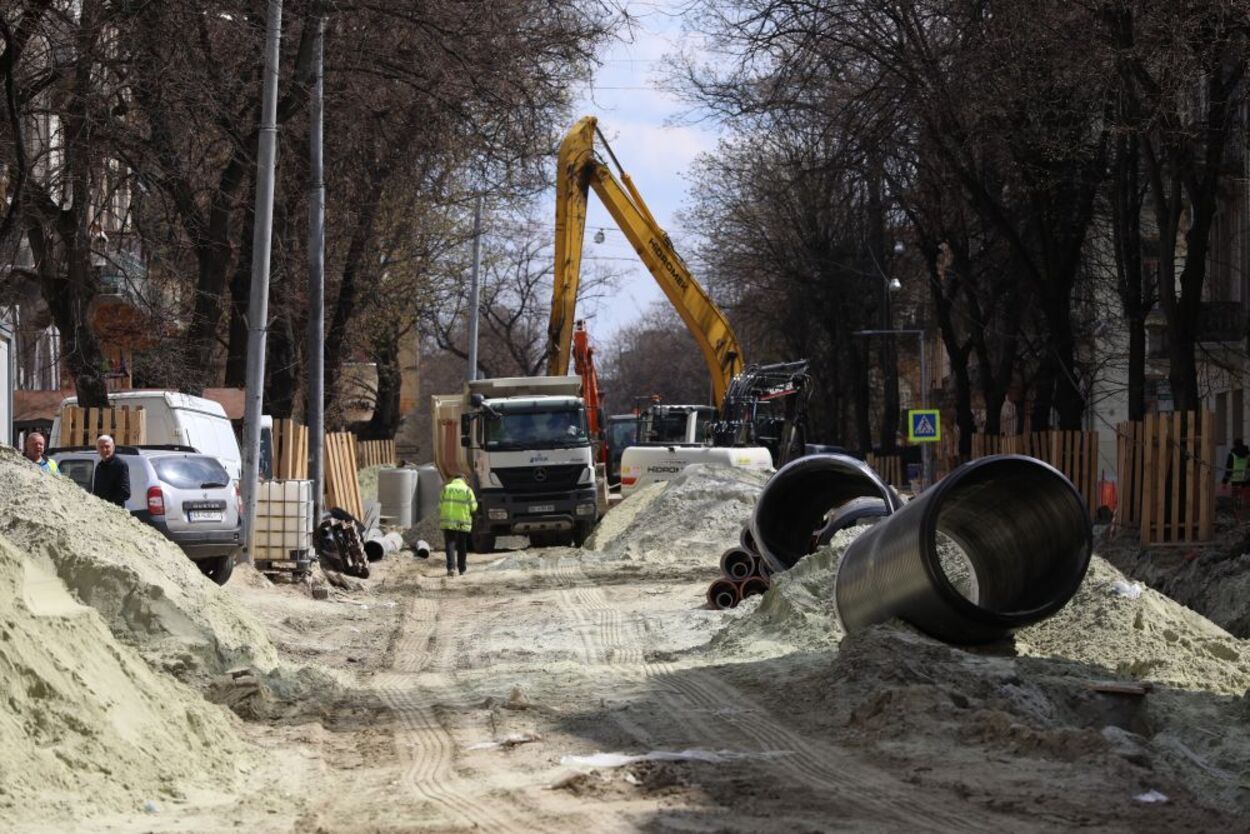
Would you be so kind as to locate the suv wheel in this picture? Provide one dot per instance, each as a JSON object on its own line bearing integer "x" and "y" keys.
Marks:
{"x": 217, "y": 569}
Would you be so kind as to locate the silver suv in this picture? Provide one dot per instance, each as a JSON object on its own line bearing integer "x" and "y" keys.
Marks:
{"x": 189, "y": 497}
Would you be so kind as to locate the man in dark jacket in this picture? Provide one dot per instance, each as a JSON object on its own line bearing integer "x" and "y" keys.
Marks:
{"x": 111, "y": 480}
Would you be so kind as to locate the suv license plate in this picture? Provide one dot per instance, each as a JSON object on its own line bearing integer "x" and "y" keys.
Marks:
{"x": 205, "y": 515}
{"x": 543, "y": 508}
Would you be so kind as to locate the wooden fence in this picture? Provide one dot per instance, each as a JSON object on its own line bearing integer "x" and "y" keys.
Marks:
{"x": 1166, "y": 479}
{"x": 81, "y": 426}
{"x": 290, "y": 450}
{"x": 375, "y": 453}
{"x": 1074, "y": 453}
{"x": 342, "y": 485}
{"x": 890, "y": 468}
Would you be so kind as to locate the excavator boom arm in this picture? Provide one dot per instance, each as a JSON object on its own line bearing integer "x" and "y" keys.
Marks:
{"x": 581, "y": 170}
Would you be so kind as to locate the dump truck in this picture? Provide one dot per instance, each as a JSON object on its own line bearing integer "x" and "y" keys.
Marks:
{"x": 523, "y": 444}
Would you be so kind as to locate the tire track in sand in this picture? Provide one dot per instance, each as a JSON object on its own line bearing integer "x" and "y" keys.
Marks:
{"x": 864, "y": 790}
{"x": 410, "y": 691}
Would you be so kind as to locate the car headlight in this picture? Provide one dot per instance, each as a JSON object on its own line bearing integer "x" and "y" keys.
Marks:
{"x": 585, "y": 509}
{"x": 497, "y": 515}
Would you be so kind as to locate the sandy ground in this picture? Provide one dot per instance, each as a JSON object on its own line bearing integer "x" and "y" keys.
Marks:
{"x": 473, "y": 703}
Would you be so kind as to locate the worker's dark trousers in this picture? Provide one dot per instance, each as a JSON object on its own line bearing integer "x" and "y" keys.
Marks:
{"x": 457, "y": 545}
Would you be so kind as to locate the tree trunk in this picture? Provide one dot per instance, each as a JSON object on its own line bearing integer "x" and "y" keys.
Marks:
{"x": 1043, "y": 394}
{"x": 240, "y": 297}
{"x": 280, "y": 369}
{"x": 384, "y": 422}
{"x": 861, "y": 395}
{"x": 890, "y": 404}
{"x": 353, "y": 265}
{"x": 213, "y": 254}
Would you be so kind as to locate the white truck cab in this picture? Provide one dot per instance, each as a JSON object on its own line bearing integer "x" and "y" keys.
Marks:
{"x": 523, "y": 445}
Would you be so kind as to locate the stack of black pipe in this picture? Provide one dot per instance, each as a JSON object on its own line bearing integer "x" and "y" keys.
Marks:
{"x": 743, "y": 574}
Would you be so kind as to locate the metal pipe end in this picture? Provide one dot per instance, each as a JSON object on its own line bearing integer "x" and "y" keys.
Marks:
{"x": 737, "y": 563}
{"x": 754, "y": 585}
{"x": 722, "y": 594}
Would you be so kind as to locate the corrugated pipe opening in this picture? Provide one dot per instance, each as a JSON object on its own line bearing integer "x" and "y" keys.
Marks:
{"x": 999, "y": 543}
{"x": 795, "y": 502}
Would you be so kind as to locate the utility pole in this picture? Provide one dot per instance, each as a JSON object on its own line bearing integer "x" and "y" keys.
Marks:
{"x": 475, "y": 289}
{"x": 258, "y": 303}
{"x": 316, "y": 279}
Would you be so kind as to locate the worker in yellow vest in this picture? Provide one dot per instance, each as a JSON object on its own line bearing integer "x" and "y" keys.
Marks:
{"x": 1237, "y": 469}
{"x": 456, "y": 507}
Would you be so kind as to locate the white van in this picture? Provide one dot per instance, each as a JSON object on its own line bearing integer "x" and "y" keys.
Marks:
{"x": 172, "y": 418}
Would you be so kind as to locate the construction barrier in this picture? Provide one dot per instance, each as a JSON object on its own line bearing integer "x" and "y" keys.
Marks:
{"x": 290, "y": 451}
{"x": 81, "y": 426}
{"x": 342, "y": 485}
{"x": 1173, "y": 470}
{"x": 375, "y": 453}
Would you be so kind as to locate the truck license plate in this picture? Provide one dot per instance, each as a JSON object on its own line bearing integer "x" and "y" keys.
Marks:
{"x": 543, "y": 508}
{"x": 204, "y": 515}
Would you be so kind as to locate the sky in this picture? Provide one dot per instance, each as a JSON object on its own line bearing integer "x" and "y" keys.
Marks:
{"x": 637, "y": 118}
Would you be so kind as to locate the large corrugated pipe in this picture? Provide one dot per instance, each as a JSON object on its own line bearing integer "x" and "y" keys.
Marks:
{"x": 999, "y": 543}
{"x": 795, "y": 501}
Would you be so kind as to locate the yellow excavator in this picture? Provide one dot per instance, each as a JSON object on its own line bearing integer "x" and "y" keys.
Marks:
{"x": 580, "y": 169}
{"x": 742, "y": 395}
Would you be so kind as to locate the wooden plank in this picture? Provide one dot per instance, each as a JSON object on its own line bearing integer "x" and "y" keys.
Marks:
{"x": 1192, "y": 440}
{"x": 1177, "y": 473}
{"x": 1147, "y": 458}
{"x": 1139, "y": 454}
{"x": 1206, "y": 506}
{"x": 1094, "y": 472}
{"x": 302, "y": 461}
{"x": 1161, "y": 478}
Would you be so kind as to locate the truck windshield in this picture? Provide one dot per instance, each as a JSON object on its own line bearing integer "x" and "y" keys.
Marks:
{"x": 622, "y": 433}
{"x": 537, "y": 430}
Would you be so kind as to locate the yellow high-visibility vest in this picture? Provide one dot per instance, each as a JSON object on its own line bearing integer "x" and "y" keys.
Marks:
{"x": 456, "y": 506}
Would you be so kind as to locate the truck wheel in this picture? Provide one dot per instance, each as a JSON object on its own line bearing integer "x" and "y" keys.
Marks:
{"x": 482, "y": 542}
{"x": 581, "y": 532}
{"x": 217, "y": 569}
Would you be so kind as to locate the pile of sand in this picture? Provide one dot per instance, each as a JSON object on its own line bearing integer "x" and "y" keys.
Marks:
{"x": 87, "y": 725}
{"x": 1150, "y": 638}
{"x": 691, "y": 519}
{"x": 928, "y": 705}
{"x": 1214, "y": 581}
{"x": 150, "y": 594}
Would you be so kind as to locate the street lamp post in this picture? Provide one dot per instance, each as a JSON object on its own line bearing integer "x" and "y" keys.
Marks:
{"x": 926, "y": 456}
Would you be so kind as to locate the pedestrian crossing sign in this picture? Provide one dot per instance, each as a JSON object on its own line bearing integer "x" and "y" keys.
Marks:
{"x": 924, "y": 425}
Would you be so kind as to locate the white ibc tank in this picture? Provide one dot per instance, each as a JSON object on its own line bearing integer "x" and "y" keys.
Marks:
{"x": 396, "y": 488}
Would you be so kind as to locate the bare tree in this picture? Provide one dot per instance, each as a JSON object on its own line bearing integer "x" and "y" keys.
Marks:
{"x": 515, "y": 298}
